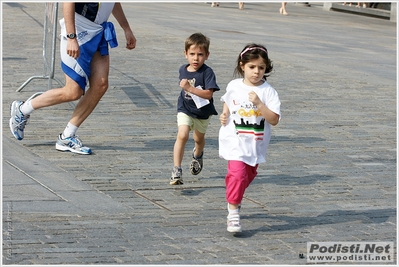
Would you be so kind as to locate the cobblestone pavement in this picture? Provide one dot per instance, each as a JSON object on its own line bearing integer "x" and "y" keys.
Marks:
{"x": 331, "y": 170}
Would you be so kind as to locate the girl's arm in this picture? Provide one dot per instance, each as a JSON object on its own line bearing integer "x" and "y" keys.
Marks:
{"x": 225, "y": 115}
{"x": 269, "y": 115}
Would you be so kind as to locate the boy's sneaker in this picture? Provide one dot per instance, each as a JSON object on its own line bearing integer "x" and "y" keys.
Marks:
{"x": 176, "y": 177}
{"x": 233, "y": 223}
{"x": 196, "y": 164}
{"x": 73, "y": 144}
{"x": 18, "y": 120}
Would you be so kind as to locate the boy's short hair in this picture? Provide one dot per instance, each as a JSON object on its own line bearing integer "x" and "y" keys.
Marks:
{"x": 198, "y": 40}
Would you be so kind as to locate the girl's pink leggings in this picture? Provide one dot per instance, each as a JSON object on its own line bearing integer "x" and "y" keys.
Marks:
{"x": 239, "y": 176}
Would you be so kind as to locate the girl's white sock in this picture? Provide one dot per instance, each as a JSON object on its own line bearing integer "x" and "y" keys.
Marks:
{"x": 232, "y": 211}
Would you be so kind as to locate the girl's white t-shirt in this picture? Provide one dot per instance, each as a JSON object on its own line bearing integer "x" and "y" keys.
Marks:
{"x": 246, "y": 135}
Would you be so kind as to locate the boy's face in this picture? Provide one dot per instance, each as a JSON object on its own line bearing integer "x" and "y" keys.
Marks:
{"x": 196, "y": 57}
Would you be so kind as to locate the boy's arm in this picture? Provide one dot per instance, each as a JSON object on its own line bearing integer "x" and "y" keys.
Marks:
{"x": 206, "y": 94}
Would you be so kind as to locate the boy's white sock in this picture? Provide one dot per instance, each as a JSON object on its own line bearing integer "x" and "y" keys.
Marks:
{"x": 26, "y": 108}
{"x": 70, "y": 130}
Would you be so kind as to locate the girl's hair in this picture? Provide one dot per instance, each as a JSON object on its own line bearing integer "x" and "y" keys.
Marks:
{"x": 198, "y": 40}
{"x": 249, "y": 53}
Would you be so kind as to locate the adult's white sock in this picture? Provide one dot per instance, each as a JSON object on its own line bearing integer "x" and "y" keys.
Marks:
{"x": 70, "y": 130}
{"x": 26, "y": 108}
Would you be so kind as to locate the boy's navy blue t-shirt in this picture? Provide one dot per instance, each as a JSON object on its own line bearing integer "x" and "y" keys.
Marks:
{"x": 206, "y": 79}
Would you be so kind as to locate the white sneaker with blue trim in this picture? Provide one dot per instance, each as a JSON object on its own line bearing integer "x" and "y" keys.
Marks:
{"x": 18, "y": 120}
{"x": 72, "y": 144}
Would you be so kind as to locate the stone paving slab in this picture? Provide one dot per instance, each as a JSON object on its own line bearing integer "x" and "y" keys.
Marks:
{"x": 331, "y": 170}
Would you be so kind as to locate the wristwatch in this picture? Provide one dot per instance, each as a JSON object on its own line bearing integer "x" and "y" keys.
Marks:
{"x": 71, "y": 35}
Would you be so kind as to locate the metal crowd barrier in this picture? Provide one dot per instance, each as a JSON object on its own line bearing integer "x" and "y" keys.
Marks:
{"x": 49, "y": 46}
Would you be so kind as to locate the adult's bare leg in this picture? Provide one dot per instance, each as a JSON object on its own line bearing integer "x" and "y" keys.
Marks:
{"x": 70, "y": 92}
{"x": 98, "y": 82}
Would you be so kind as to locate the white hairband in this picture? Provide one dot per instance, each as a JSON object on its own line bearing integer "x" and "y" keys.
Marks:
{"x": 252, "y": 48}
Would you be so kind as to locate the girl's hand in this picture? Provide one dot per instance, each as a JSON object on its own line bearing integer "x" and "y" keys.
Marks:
{"x": 253, "y": 97}
{"x": 223, "y": 118}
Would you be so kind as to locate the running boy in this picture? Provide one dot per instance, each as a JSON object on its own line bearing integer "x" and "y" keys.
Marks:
{"x": 195, "y": 104}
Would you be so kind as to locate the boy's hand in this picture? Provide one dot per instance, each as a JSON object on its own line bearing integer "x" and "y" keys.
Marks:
{"x": 185, "y": 85}
{"x": 223, "y": 118}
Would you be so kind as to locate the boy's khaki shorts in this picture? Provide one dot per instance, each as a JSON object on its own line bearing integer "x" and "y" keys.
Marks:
{"x": 195, "y": 124}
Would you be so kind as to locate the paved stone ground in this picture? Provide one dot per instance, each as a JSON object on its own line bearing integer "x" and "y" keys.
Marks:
{"x": 331, "y": 170}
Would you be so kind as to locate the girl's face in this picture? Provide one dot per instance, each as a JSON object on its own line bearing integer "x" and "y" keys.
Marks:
{"x": 254, "y": 71}
{"x": 196, "y": 57}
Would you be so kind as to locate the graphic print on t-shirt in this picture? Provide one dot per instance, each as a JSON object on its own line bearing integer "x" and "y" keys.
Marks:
{"x": 192, "y": 83}
{"x": 250, "y": 121}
